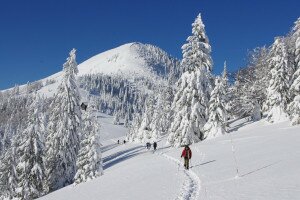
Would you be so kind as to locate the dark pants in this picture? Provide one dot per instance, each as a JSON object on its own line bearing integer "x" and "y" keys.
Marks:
{"x": 186, "y": 163}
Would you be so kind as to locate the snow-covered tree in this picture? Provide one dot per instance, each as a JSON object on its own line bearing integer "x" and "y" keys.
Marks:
{"x": 294, "y": 106}
{"x": 30, "y": 168}
{"x": 64, "y": 129}
{"x": 193, "y": 89}
{"x": 215, "y": 126}
{"x": 89, "y": 162}
{"x": 116, "y": 118}
{"x": 134, "y": 127}
{"x": 277, "y": 97}
{"x": 145, "y": 133}
{"x": 196, "y": 52}
{"x": 161, "y": 119}
{"x": 8, "y": 174}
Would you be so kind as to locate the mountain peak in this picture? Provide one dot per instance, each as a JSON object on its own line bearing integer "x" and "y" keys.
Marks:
{"x": 140, "y": 59}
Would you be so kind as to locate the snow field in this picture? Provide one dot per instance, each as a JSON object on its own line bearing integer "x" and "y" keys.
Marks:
{"x": 267, "y": 157}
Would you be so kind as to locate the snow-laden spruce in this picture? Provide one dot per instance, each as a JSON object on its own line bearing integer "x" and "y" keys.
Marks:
{"x": 215, "y": 126}
{"x": 116, "y": 118}
{"x": 89, "y": 161}
{"x": 277, "y": 97}
{"x": 294, "y": 106}
{"x": 161, "y": 120}
{"x": 145, "y": 133}
{"x": 134, "y": 127}
{"x": 190, "y": 104}
{"x": 30, "y": 152}
{"x": 8, "y": 174}
{"x": 64, "y": 129}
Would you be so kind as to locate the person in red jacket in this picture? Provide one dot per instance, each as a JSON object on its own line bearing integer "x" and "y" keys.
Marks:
{"x": 187, "y": 155}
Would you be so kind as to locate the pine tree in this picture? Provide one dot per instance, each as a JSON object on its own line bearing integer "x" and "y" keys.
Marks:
{"x": 294, "y": 106}
{"x": 116, "y": 118}
{"x": 161, "y": 120}
{"x": 8, "y": 173}
{"x": 226, "y": 88}
{"x": 145, "y": 133}
{"x": 89, "y": 162}
{"x": 64, "y": 129}
{"x": 193, "y": 89}
{"x": 30, "y": 168}
{"x": 134, "y": 127}
{"x": 215, "y": 125}
{"x": 277, "y": 97}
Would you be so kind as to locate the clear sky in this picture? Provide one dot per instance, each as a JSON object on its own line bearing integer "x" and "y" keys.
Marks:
{"x": 36, "y": 35}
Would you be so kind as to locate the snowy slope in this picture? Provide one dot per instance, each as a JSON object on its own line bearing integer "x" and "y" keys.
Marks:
{"x": 267, "y": 158}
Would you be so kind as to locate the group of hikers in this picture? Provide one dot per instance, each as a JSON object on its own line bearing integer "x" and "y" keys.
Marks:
{"x": 186, "y": 153}
{"x": 124, "y": 141}
{"x": 148, "y": 145}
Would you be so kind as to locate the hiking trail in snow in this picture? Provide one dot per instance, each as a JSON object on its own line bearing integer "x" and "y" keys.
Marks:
{"x": 191, "y": 187}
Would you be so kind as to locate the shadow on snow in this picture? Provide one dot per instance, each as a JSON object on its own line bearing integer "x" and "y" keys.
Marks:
{"x": 121, "y": 156}
{"x": 256, "y": 170}
{"x": 203, "y": 163}
{"x": 108, "y": 147}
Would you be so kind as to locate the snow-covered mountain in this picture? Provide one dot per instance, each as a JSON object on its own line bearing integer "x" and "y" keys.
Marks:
{"x": 120, "y": 78}
{"x": 132, "y": 60}
{"x": 129, "y": 60}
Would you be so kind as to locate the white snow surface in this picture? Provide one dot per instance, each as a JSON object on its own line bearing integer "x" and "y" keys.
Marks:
{"x": 268, "y": 160}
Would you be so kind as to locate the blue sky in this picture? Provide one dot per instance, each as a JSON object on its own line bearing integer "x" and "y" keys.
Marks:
{"x": 36, "y": 36}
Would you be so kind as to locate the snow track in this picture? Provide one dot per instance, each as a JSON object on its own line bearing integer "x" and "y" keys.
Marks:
{"x": 191, "y": 187}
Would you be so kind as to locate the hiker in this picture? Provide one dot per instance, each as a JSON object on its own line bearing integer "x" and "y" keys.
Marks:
{"x": 118, "y": 141}
{"x": 148, "y": 145}
{"x": 154, "y": 146}
{"x": 124, "y": 141}
{"x": 187, "y": 155}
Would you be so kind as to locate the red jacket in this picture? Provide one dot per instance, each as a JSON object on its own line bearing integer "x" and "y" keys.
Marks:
{"x": 186, "y": 153}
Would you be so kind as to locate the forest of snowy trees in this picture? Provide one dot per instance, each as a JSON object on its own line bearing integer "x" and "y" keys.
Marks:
{"x": 202, "y": 104}
{"x": 47, "y": 143}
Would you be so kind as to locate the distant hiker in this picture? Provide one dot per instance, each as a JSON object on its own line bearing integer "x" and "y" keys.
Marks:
{"x": 187, "y": 155}
{"x": 154, "y": 146}
{"x": 124, "y": 141}
{"x": 148, "y": 145}
{"x": 118, "y": 141}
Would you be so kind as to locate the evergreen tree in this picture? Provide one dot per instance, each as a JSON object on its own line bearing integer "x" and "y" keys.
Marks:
{"x": 145, "y": 132}
{"x": 215, "y": 125}
{"x": 134, "y": 127}
{"x": 193, "y": 89}
{"x": 294, "y": 106}
{"x": 64, "y": 129}
{"x": 161, "y": 120}
{"x": 277, "y": 97}
{"x": 116, "y": 118}
{"x": 89, "y": 162}
{"x": 8, "y": 174}
{"x": 30, "y": 168}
